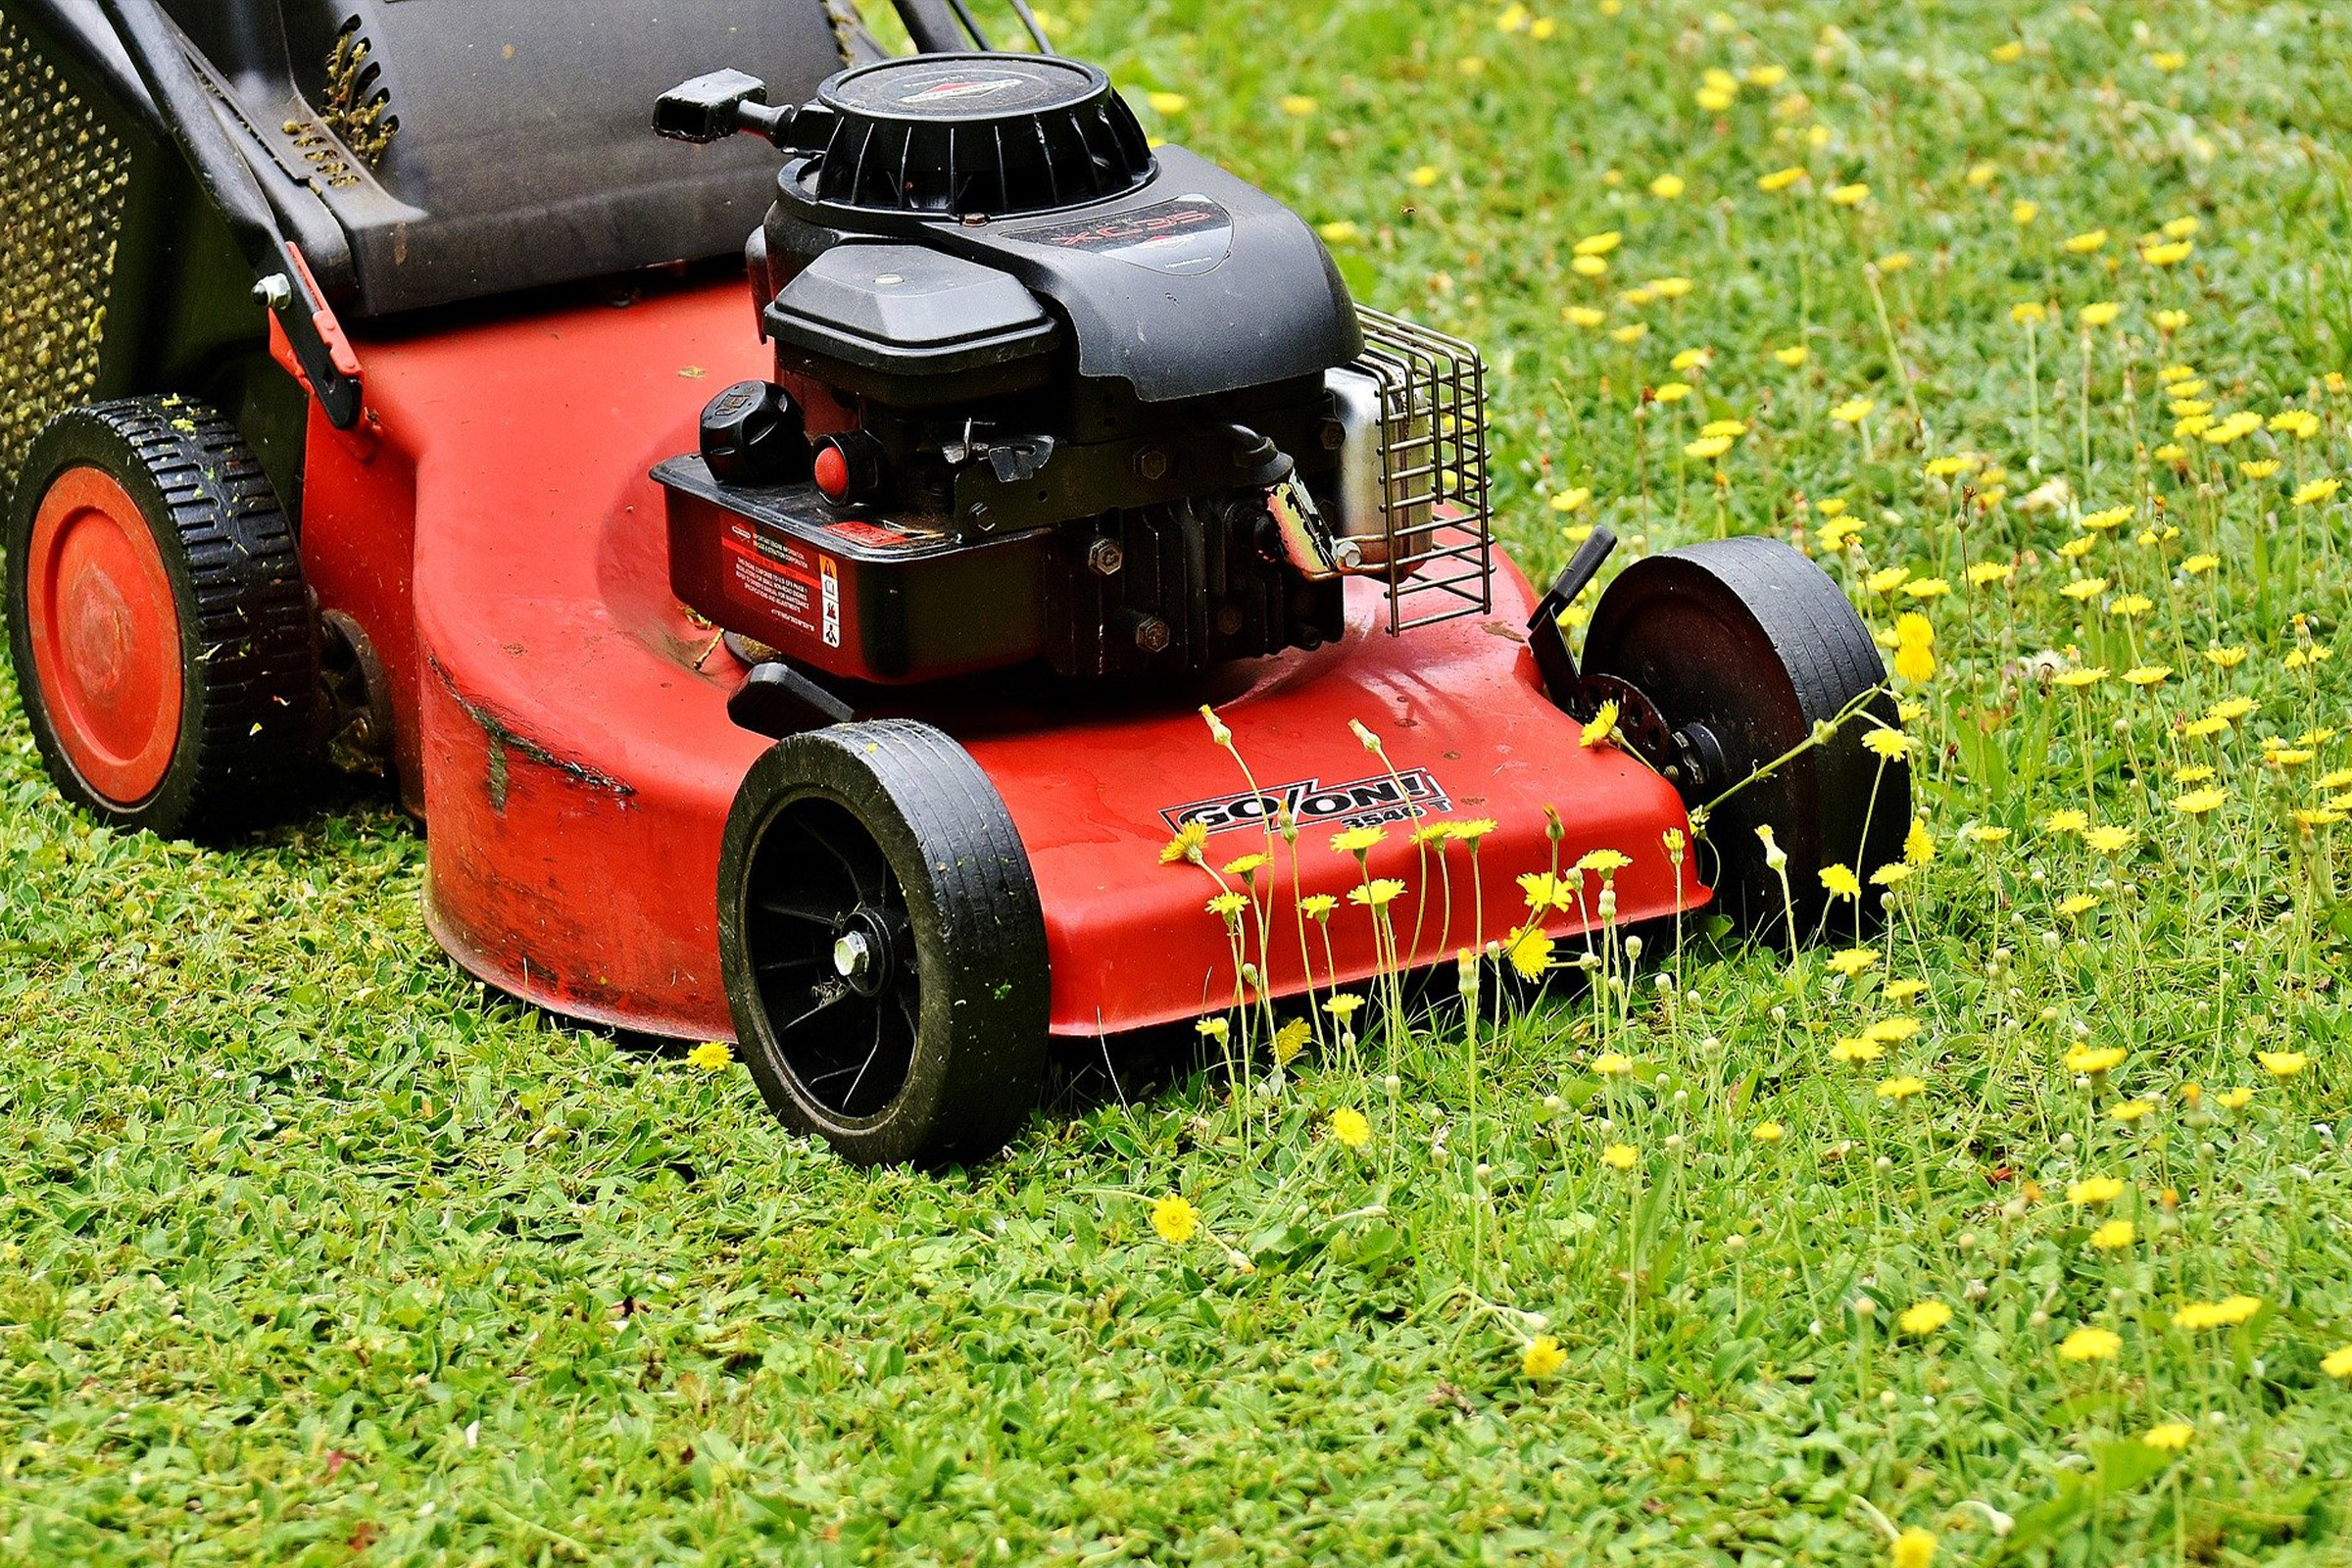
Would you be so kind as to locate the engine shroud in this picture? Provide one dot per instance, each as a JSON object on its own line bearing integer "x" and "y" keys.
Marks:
{"x": 1066, "y": 398}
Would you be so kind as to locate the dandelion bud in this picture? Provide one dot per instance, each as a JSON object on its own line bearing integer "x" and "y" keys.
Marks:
{"x": 1780, "y": 1015}
{"x": 1814, "y": 1328}
{"x": 1392, "y": 1083}
{"x": 1371, "y": 742}
{"x": 1536, "y": 1321}
{"x": 1633, "y": 945}
{"x": 1216, "y": 726}
{"x": 2039, "y": 1319}
{"x": 1883, "y": 1164}
{"x": 2066, "y": 1142}
{"x": 1864, "y": 1306}
{"x": 1975, "y": 1290}
{"x": 1735, "y": 1243}
{"x": 1711, "y": 1046}
{"x": 1249, "y": 976}
{"x": 1552, "y": 828}
{"x": 1607, "y": 904}
{"x": 1466, "y": 962}
{"x": 1674, "y": 1142}
{"x": 1553, "y": 1105}
{"x": 1682, "y": 1097}
{"x": 1886, "y": 1399}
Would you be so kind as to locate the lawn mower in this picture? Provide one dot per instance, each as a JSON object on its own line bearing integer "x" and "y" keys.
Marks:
{"x": 358, "y": 362}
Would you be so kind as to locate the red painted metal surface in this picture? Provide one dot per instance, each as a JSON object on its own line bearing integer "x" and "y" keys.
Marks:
{"x": 562, "y": 723}
{"x": 105, "y": 634}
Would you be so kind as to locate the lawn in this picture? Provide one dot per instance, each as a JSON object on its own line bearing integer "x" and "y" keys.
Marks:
{"x": 2020, "y": 1231}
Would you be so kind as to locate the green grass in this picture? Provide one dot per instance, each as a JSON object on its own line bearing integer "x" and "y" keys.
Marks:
{"x": 312, "y": 1252}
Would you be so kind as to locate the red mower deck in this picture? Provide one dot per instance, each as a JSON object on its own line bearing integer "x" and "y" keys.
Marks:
{"x": 576, "y": 762}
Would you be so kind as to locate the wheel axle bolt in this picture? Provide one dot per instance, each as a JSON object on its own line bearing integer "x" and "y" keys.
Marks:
{"x": 852, "y": 955}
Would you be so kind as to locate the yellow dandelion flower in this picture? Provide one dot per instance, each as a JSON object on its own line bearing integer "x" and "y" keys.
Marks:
{"x": 2094, "y": 1059}
{"x": 711, "y": 1055}
{"x": 2197, "y": 803}
{"x": 1852, "y": 1052}
{"x": 2132, "y": 1110}
{"x": 2281, "y": 1064}
{"x": 2114, "y": 1236}
{"x": 2337, "y": 1363}
{"x": 1913, "y": 1548}
{"x": 2169, "y": 1437}
{"x": 1792, "y": 356}
{"x": 1187, "y": 845}
{"x": 1378, "y": 894}
{"x": 2090, "y": 1345}
{"x": 1924, "y": 1317}
{"x": 1619, "y": 1156}
{"x": 2092, "y": 1191}
{"x": 2108, "y": 839}
{"x": 1767, "y": 1131}
{"x": 1349, "y": 1129}
{"x": 2234, "y": 1099}
{"x": 2314, "y": 493}
{"x": 1851, "y": 961}
{"x": 1853, "y": 410}
{"x": 1901, "y": 1089}
{"x": 2089, "y": 240}
{"x": 1174, "y": 1219}
{"x": 1530, "y": 953}
{"x": 1357, "y": 840}
{"x": 1542, "y": 1358}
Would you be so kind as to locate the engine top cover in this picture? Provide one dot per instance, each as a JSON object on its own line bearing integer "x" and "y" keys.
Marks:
{"x": 970, "y": 135}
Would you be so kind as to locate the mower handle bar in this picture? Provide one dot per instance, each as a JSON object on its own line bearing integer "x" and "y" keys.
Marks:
{"x": 282, "y": 281}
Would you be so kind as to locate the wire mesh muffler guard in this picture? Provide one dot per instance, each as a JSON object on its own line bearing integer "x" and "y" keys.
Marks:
{"x": 1439, "y": 526}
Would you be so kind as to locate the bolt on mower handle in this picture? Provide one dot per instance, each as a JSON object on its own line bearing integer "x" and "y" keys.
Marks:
{"x": 282, "y": 281}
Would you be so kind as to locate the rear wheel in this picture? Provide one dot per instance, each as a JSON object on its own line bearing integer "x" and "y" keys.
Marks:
{"x": 163, "y": 640}
{"x": 1740, "y": 647}
{"x": 883, "y": 946}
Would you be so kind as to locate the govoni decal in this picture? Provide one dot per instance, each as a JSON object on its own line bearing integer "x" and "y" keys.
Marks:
{"x": 1311, "y": 803}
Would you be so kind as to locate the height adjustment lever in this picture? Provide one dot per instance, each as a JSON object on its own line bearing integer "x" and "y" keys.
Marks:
{"x": 1544, "y": 638}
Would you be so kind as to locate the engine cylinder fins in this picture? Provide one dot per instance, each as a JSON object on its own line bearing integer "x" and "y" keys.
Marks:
{"x": 977, "y": 135}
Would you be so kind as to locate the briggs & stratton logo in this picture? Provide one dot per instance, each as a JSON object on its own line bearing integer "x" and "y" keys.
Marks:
{"x": 1311, "y": 803}
{"x": 985, "y": 87}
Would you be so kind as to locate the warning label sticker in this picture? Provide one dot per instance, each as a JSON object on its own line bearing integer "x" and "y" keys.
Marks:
{"x": 784, "y": 578}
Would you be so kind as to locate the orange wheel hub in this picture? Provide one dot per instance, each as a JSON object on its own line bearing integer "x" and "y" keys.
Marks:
{"x": 105, "y": 634}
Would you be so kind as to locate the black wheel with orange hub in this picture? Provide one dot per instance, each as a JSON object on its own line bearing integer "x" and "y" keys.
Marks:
{"x": 163, "y": 640}
{"x": 883, "y": 945}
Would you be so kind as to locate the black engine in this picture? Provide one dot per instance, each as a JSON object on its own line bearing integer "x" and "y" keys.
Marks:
{"x": 1046, "y": 395}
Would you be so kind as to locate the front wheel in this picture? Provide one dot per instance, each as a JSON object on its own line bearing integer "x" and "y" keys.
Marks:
{"x": 1743, "y": 647}
{"x": 883, "y": 947}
